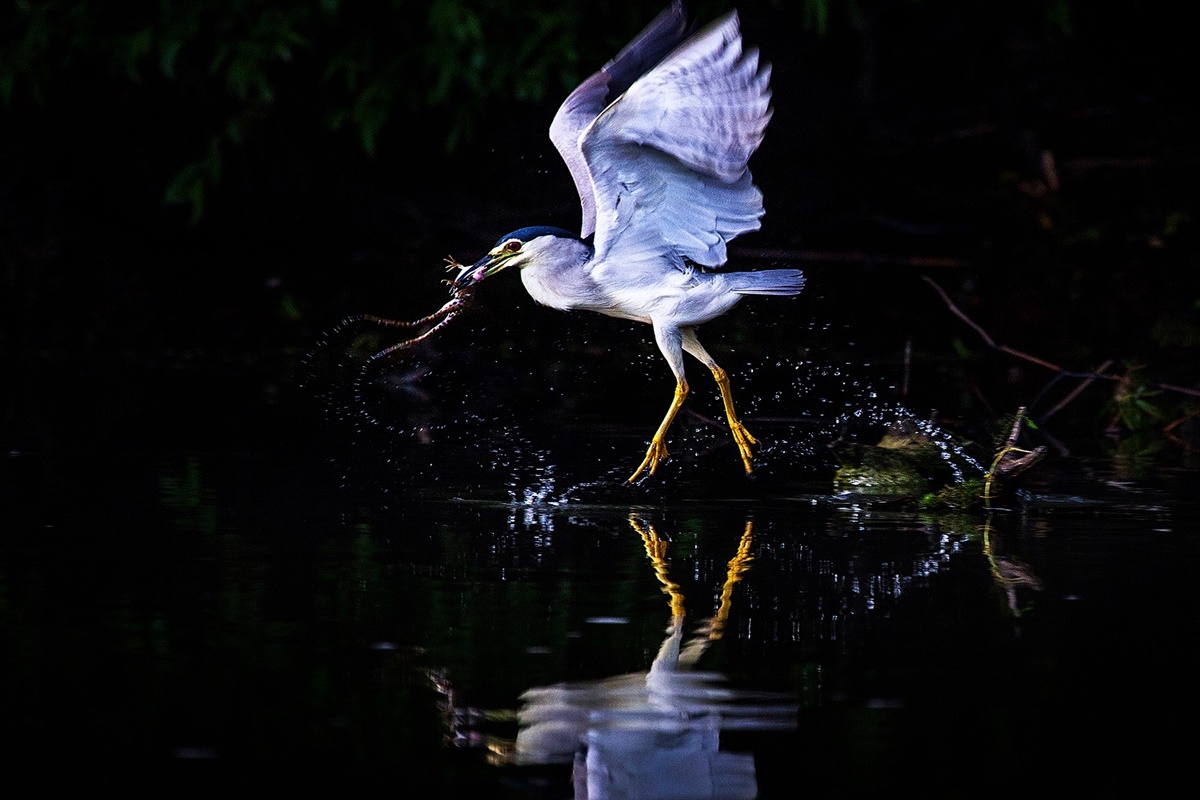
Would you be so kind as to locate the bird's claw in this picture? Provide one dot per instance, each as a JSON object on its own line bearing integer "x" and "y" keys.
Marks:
{"x": 743, "y": 439}
{"x": 655, "y": 453}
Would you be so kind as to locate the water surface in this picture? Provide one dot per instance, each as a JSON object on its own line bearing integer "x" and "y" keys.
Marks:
{"x": 355, "y": 593}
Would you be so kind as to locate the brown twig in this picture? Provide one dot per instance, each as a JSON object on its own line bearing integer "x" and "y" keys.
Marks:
{"x": 1071, "y": 395}
{"x": 1090, "y": 377}
{"x": 1169, "y": 430}
{"x": 1003, "y": 348}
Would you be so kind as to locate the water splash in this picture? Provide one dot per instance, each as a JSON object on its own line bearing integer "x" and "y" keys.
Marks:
{"x": 883, "y": 416}
{"x": 439, "y": 419}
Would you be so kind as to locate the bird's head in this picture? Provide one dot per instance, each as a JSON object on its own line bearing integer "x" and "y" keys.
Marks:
{"x": 522, "y": 248}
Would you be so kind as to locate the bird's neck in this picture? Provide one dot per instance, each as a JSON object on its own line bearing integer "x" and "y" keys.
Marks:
{"x": 564, "y": 282}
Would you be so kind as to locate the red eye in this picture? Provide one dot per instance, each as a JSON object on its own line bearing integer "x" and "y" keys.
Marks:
{"x": 512, "y": 245}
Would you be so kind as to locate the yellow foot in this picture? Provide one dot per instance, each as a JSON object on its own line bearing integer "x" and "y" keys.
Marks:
{"x": 743, "y": 439}
{"x": 656, "y": 453}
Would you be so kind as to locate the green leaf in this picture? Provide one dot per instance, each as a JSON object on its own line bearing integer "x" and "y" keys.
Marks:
{"x": 187, "y": 188}
{"x": 290, "y": 309}
{"x": 133, "y": 49}
{"x": 370, "y": 112}
{"x": 178, "y": 188}
{"x": 816, "y": 15}
{"x": 960, "y": 349}
{"x": 1149, "y": 409}
{"x": 168, "y": 56}
{"x": 1059, "y": 15}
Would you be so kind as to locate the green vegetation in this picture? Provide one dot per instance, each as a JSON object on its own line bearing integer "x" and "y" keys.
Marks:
{"x": 227, "y": 179}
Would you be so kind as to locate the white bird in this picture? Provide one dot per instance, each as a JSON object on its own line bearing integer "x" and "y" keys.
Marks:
{"x": 658, "y": 143}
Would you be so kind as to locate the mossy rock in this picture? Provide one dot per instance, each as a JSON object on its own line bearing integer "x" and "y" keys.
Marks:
{"x": 908, "y": 464}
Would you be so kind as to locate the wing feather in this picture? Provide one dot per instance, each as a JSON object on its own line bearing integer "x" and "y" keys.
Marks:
{"x": 584, "y": 104}
{"x": 668, "y": 159}
{"x": 707, "y": 104}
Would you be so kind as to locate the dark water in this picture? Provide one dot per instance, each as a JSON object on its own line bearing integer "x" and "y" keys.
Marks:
{"x": 336, "y": 578}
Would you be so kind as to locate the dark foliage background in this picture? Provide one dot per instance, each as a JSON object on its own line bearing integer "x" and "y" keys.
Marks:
{"x": 191, "y": 195}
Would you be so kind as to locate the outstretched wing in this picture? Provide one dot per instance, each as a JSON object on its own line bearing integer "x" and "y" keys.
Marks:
{"x": 668, "y": 158}
{"x": 592, "y": 96}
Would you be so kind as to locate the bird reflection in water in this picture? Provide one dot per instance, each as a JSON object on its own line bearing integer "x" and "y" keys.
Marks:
{"x": 656, "y": 734}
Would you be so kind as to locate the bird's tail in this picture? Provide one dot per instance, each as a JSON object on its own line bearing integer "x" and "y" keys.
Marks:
{"x": 767, "y": 281}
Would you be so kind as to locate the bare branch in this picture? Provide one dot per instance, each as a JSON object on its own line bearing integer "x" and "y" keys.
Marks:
{"x": 984, "y": 334}
{"x": 1091, "y": 377}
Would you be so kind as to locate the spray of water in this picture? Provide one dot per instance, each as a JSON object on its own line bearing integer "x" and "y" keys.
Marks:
{"x": 413, "y": 434}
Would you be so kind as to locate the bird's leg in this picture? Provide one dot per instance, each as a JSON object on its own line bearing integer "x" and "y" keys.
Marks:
{"x": 741, "y": 436}
{"x": 658, "y": 444}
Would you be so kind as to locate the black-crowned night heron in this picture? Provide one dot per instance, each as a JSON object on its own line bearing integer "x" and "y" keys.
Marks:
{"x": 658, "y": 143}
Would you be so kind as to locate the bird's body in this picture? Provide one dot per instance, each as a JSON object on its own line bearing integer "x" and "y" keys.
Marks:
{"x": 658, "y": 143}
